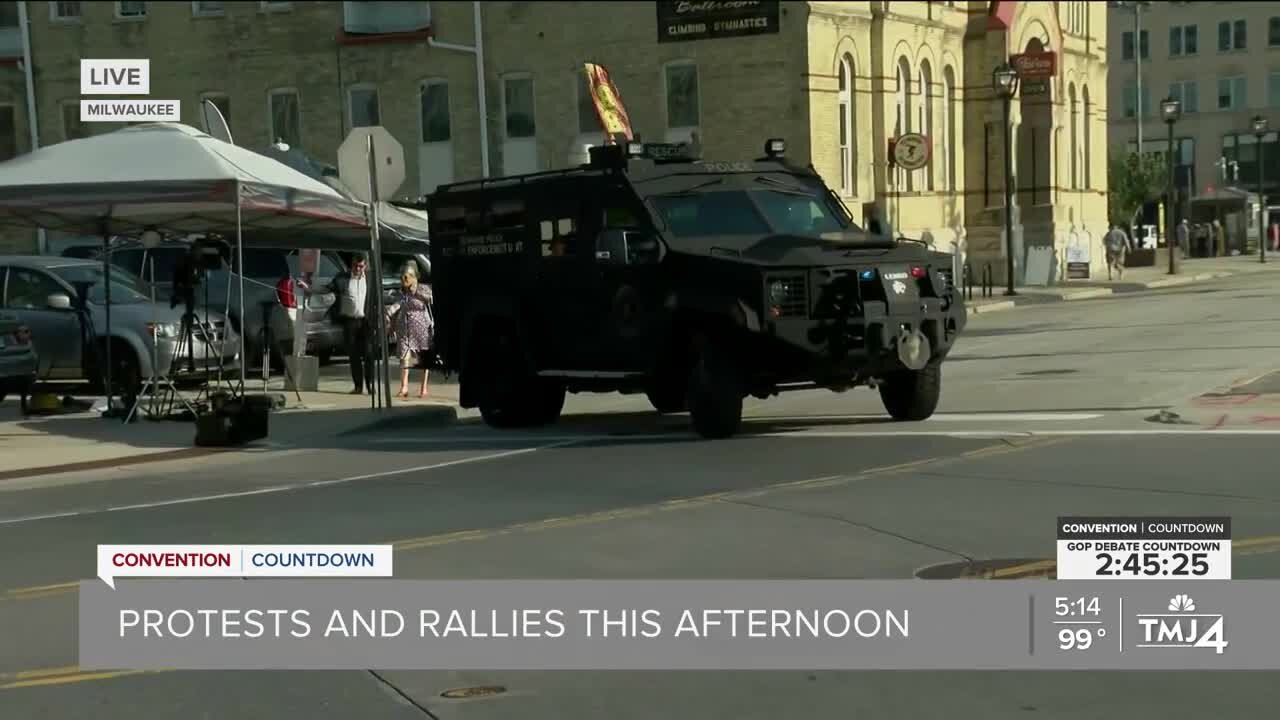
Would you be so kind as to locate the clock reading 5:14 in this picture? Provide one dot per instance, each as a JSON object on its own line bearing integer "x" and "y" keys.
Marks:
{"x": 1067, "y": 607}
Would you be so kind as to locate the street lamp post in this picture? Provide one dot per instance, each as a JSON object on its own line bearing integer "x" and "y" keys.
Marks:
{"x": 1004, "y": 80}
{"x": 1170, "y": 111}
{"x": 1260, "y": 131}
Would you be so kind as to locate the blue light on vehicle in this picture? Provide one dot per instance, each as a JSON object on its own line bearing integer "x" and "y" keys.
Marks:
{"x": 868, "y": 275}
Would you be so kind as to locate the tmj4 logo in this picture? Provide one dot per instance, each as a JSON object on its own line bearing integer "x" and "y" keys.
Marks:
{"x": 1182, "y": 626}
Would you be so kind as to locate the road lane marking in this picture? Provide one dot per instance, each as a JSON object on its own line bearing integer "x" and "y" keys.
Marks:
{"x": 285, "y": 488}
{"x": 70, "y": 678}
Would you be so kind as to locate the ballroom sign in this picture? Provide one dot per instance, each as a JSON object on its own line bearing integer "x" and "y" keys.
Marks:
{"x": 708, "y": 19}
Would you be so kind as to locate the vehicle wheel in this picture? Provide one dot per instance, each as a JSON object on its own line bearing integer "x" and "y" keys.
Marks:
{"x": 126, "y": 372}
{"x": 715, "y": 394}
{"x": 912, "y": 395}
{"x": 545, "y": 401}
{"x": 668, "y": 398}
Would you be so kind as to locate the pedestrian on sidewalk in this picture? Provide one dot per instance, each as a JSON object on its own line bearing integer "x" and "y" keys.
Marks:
{"x": 1117, "y": 246}
{"x": 1273, "y": 234}
{"x": 352, "y": 305}
{"x": 1183, "y": 235}
{"x": 414, "y": 325}
{"x": 1219, "y": 239}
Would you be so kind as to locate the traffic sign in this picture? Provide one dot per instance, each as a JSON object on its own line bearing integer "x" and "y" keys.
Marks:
{"x": 353, "y": 162}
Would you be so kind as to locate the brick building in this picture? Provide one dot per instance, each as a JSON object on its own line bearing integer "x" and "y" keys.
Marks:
{"x": 836, "y": 79}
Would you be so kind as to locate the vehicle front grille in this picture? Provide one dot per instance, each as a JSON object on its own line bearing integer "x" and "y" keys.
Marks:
{"x": 837, "y": 296}
{"x": 794, "y": 300}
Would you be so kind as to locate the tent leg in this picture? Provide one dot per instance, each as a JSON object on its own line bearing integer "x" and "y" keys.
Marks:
{"x": 240, "y": 279}
{"x": 106, "y": 284}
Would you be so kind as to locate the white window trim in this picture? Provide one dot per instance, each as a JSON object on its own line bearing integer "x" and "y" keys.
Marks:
{"x": 1235, "y": 100}
{"x": 54, "y": 17}
{"x": 146, "y": 12}
{"x": 351, "y": 120}
{"x": 844, "y": 98}
{"x": 271, "y": 128}
{"x": 519, "y": 76}
{"x": 697, "y": 75}
{"x": 422, "y": 118}
{"x": 196, "y": 11}
{"x": 274, "y": 7}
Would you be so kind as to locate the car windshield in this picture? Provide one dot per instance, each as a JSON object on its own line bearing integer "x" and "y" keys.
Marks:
{"x": 747, "y": 212}
{"x": 126, "y": 289}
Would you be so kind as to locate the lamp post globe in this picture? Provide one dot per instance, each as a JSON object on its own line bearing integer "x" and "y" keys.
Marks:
{"x": 1004, "y": 83}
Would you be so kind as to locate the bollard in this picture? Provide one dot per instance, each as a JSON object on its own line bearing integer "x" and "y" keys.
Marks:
{"x": 988, "y": 284}
{"x": 967, "y": 281}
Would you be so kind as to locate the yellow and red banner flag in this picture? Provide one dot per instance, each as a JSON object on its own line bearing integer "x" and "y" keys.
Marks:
{"x": 608, "y": 104}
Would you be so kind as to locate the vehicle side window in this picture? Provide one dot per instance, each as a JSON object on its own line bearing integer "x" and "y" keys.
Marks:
{"x": 130, "y": 260}
{"x": 30, "y": 289}
{"x": 559, "y": 237}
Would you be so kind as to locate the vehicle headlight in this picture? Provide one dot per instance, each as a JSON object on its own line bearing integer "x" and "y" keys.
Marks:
{"x": 164, "y": 330}
{"x": 778, "y": 292}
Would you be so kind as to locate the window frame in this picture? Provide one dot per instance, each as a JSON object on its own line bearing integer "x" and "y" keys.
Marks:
{"x": 351, "y": 108}
{"x": 1137, "y": 45}
{"x": 1182, "y": 94}
{"x": 271, "y": 117}
{"x": 1273, "y": 31}
{"x": 1182, "y": 34}
{"x": 54, "y": 17}
{"x": 1273, "y": 100}
{"x": 1236, "y": 103}
{"x": 121, "y": 17}
{"x": 422, "y": 116}
{"x": 533, "y": 110}
{"x": 1237, "y": 29}
{"x": 844, "y": 101}
{"x": 198, "y": 12}
{"x": 667, "y": 67}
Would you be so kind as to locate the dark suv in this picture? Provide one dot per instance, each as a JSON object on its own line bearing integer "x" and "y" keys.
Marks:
{"x": 698, "y": 283}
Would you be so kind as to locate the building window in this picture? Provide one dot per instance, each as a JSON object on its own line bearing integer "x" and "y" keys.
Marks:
{"x": 208, "y": 9}
{"x": 949, "y": 133}
{"x": 848, "y": 167}
{"x": 1273, "y": 32}
{"x": 1183, "y": 40}
{"x": 1126, "y": 45}
{"x": 8, "y": 132}
{"x": 131, "y": 10}
{"x": 362, "y": 101}
{"x": 1232, "y": 35}
{"x": 1131, "y": 100}
{"x": 72, "y": 128}
{"x": 223, "y": 103}
{"x": 286, "y": 117}
{"x": 588, "y": 121}
{"x": 924, "y": 119}
{"x": 1273, "y": 90}
{"x": 1186, "y": 92}
{"x": 517, "y": 103}
{"x": 377, "y": 18}
{"x": 1075, "y": 137}
{"x": 990, "y": 134}
{"x": 64, "y": 11}
{"x": 683, "y": 102}
{"x": 435, "y": 112}
{"x": 902, "y": 121}
{"x": 1088, "y": 137}
{"x": 1232, "y": 93}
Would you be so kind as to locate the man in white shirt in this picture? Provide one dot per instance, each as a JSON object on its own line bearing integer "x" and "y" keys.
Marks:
{"x": 352, "y": 299}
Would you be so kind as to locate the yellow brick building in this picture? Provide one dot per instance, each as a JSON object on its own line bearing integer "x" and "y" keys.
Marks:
{"x": 838, "y": 80}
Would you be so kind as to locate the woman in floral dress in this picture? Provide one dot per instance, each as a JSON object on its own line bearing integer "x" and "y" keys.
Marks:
{"x": 411, "y": 321}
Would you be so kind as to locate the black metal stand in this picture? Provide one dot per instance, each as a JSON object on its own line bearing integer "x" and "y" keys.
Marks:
{"x": 268, "y": 342}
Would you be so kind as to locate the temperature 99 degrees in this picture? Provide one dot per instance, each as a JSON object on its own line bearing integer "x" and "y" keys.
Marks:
{"x": 1078, "y": 638}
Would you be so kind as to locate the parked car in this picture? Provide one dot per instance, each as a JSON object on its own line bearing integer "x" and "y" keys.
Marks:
{"x": 18, "y": 362}
{"x": 42, "y": 293}
{"x": 264, "y": 271}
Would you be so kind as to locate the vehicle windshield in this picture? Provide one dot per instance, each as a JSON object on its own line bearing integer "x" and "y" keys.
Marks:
{"x": 748, "y": 212}
{"x": 126, "y": 289}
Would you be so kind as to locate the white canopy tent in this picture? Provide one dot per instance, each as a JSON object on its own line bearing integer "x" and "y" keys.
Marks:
{"x": 176, "y": 180}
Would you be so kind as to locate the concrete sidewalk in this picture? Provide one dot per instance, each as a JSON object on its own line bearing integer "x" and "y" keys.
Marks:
{"x": 1193, "y": 270}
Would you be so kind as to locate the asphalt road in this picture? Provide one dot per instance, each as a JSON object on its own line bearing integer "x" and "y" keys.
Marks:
{"x": 1047, "y": 411}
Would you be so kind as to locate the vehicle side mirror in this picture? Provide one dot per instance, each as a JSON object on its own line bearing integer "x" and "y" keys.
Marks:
{"x": 611, "y": 247}
{"x": 58, "y": 301}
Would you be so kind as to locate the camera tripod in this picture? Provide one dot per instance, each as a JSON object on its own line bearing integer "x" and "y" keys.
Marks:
{"x": 163, "y": 396}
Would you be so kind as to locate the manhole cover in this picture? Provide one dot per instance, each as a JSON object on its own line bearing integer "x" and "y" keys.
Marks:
{"x": 1048, "y": 372}
{"x": 473, "y": 692}
{"x": 993, "y": 569}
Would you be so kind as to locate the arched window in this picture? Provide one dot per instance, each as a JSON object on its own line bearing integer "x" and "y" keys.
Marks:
{"x": 1088, "y": 135}
{"x": 903, "y": 125}
{"x": 848, "y": 140}
{"x": 924, "y": 120}
{"x": 1075, "y": 138}
{"x": 949, "y": 127}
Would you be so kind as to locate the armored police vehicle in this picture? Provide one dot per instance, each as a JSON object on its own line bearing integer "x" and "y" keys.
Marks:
{"x": 698, "y": 283}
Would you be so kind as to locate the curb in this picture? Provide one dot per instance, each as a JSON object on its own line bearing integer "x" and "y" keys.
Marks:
{"x": 1096, "y": 293}
{"x": 106, "y": 463}
{"x": 990, "y": 307}
{"x": 431, "y": 416}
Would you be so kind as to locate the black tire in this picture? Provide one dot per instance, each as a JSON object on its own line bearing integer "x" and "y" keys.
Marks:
{"x": 912, "y": 395}
{"x": 126, "y": 372}
{"x": 715, "y": 394}
{"x": 668, "y": 398}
